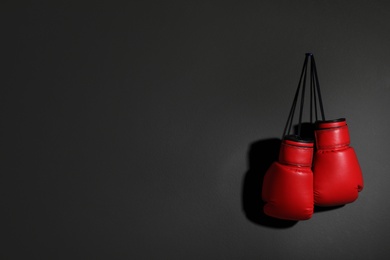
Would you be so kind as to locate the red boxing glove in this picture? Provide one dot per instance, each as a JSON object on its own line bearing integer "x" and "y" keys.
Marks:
{"x": 337, "y": 174}
{"x": 288, "y": 183}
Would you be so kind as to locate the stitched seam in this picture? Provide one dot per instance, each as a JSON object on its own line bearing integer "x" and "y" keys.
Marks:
{"x": 295, "y": 164}
{"x": 298, "y": 147}
{"x": 334, "y": 146}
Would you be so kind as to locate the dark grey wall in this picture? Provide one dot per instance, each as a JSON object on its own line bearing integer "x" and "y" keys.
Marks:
{"x": 126, "y": 128}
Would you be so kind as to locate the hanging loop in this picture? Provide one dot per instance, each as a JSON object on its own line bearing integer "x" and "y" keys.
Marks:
{"x": 315, "y": 94}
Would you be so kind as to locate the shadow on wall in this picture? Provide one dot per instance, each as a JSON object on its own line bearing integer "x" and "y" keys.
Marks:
{"x": 261, "y": 155}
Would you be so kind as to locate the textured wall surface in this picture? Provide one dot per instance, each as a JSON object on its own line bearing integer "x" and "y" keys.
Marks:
{"x": 139, "y": 130}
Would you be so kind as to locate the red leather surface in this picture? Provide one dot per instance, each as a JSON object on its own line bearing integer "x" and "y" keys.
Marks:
{"x": 337, "y": 137}
{"x": 337, "y": 174}
{"x": 294, "y": 153}
{"x": 324, "y": 125}
{"x": 288, "y": 188}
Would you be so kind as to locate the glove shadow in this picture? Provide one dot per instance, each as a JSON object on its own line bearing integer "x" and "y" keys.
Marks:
{"x": 318, "y": 209}
{"x": 260, "y": 156}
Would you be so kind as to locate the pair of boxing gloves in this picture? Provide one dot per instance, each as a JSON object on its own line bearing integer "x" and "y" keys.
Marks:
{"x": 324, "y": 173}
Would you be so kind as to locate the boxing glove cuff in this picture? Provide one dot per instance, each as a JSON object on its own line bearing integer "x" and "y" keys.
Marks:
{"x": 332, "y": 135}
{"x": 331, "y": 123}
{"x": 296, "y": 153}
